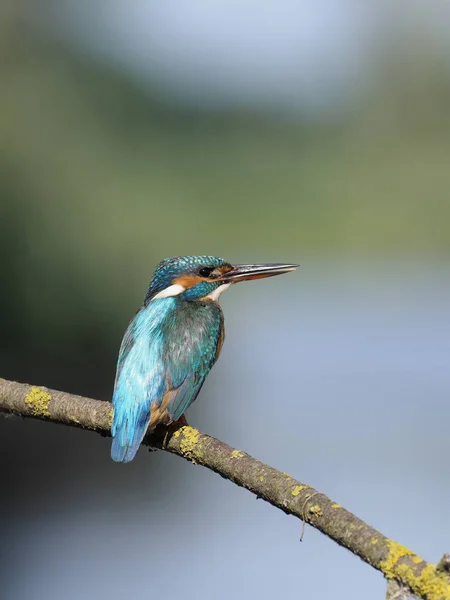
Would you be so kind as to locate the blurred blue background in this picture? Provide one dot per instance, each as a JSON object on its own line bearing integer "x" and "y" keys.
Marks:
{"x": 310, "y": 132}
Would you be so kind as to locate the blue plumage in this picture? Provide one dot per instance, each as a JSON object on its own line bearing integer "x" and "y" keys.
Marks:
{"x": 139, "y": 379}
{"x": 171, "y": 345}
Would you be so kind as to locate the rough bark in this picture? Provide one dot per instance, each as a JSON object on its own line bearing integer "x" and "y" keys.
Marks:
{"x": 294, "y": 497}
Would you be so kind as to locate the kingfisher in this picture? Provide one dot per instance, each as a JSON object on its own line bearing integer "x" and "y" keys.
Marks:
{"x": 171, "y": 345}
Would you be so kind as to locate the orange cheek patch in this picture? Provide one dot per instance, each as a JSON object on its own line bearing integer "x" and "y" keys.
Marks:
{"x": 188, "y": 281}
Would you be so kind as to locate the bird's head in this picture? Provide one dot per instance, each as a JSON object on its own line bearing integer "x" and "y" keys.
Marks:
{"x": 204, "y": 277}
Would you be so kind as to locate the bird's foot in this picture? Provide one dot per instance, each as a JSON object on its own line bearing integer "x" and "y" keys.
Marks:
{"x": 181, "y": 422}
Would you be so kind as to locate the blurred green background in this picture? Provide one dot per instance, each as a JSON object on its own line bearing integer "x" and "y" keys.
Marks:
{"x": 331, "y": 150}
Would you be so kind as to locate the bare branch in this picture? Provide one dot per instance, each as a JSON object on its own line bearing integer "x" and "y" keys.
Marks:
{"x": 293, "y": 497}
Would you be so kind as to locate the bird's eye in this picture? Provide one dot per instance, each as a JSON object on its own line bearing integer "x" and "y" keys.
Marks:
{"x": 205, "y": 271}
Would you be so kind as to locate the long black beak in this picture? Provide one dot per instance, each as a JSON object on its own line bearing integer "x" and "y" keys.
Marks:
{"x": 248, "y": 272}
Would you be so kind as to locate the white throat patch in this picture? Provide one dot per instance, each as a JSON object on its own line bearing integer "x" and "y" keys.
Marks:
{"x": 172, "y": 290}
{"x": 214, "y": 295}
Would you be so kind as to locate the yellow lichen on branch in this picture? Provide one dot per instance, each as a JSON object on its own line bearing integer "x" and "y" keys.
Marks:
{"x": 237, "y": 454}
{"x": 189, "y": 439}
{"x": 38, "y": 400}
{"x": 420, "y": 576}
{"x": 281, "y": 490}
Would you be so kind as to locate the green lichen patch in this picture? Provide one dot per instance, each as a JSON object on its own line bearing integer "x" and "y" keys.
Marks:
{"x": 297, "y": 489}
{"x": 38, "y": 401}
{"x": 426, "y": 581}
{"x": 316, "y": 510}
{"x": 237, "y": 454}
{"x": 396, "y": 552}
{"x": 189, "y": 441}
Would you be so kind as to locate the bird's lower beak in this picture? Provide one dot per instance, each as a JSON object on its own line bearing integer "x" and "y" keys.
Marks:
{"x": 248, "y": 272}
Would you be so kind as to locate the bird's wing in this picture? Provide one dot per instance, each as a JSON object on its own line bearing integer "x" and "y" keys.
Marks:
{"x": 188, "y": 365}
{"x": 139, "y": 381}
{"x": 125, "y": 349}
{"x": 182, "y": 397}
{"x": 161, "y": 370}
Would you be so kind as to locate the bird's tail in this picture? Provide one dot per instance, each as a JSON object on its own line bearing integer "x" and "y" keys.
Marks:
{"x": 128, "y": 431}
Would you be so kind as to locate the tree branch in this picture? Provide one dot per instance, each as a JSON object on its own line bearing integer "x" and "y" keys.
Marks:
{"x": 397, "y": 591}
{"x": 279, "y": 489}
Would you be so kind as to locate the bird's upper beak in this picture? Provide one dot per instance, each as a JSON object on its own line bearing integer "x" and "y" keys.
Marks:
{"x": 248, "y": 272}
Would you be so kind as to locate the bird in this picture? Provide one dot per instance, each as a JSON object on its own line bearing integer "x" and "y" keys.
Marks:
{"x": 172, "y": 343}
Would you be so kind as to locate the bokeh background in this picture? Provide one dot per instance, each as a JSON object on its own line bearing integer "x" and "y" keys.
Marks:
{"x": 315, "y": 132}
